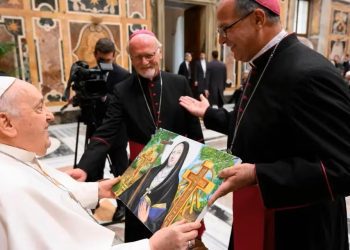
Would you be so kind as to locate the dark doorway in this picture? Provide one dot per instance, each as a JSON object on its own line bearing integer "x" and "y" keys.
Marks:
{"x": 184, "y": 31}
{"x": 195, "y": 30}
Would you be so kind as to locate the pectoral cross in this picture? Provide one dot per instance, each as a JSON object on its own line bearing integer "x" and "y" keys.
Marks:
{"x": 197, "y": 181}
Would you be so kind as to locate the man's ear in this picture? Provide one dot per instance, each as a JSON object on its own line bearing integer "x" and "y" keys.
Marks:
{"x": 6, "y": 126}
{"x": 259, "y": 18}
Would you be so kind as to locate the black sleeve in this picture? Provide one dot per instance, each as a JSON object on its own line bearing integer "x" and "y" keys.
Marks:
{"x": 219, "y": 120}
{"x": 95, "y": 154}
{"x": 319, "y": 111}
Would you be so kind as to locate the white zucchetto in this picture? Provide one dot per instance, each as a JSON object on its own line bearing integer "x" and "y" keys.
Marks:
{"x": 5, "y": 83}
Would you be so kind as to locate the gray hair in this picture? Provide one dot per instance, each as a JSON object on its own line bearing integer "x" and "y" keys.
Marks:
{"x": 245, "y": 6}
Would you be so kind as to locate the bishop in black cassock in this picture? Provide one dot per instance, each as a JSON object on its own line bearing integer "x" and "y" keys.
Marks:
{"x": 129, "y": 106}
{"x": 296, "y": 130}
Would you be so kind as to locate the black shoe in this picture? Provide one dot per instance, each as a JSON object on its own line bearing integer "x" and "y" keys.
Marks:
{"x": 119, "y": 215}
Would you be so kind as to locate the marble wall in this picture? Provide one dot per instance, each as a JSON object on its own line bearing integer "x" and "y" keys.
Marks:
{"x": 50, "y": 35}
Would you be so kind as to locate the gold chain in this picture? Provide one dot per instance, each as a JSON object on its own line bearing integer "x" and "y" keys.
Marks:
{"x": 53, "y": 181}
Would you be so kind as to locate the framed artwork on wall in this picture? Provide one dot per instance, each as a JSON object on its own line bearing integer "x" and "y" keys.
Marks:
{"x": 337, "y": 48}
{"x": 340, "y": 22}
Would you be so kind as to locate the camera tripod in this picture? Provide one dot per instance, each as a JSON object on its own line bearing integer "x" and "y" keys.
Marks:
{"x": 89, "y": 115}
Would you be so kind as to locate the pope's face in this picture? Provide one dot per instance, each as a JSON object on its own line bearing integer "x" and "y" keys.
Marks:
{"x": 175, "y": 155}
{"x": 32, "y": 121}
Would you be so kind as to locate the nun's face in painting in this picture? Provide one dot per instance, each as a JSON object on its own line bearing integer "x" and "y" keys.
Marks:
{"x": 175, "y": 155}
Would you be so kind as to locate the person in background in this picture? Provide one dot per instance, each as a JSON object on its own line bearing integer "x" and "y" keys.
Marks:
{"x": 347, "y": 78}
{"x": 346, "y": 63}
{"x": 238, "y": 92}
{"x": 32, "y": 195}
{"x": 291, "y": 130}
{"x": 200, "y": 76}
{"x": 185, "y": 68}
{"x": 145, "y": 102}
{"x": 216, "y": 78}
{"x": 117, "y": 156}
{"x": 337, "y": 64}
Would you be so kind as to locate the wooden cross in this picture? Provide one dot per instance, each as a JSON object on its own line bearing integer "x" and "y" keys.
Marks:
{"x": 196, "y": 181}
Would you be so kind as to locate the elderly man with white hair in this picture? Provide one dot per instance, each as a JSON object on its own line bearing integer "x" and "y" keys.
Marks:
{"x": 43, "y": 208}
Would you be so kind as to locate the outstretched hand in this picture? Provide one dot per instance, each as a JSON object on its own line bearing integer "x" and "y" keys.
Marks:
{"x": 175, "y": 237}
{"x": 195, "y": 107}
{"x": 236, "y": 177}
{"x": 105, "y": 188}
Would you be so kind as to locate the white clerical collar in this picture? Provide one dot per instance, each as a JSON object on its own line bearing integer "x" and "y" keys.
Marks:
{"x": 18, "y": 153}
{"x": 270, "y": 44}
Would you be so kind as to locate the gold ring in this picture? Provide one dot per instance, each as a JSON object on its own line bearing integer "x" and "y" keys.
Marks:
{"x": 190, "y": 244}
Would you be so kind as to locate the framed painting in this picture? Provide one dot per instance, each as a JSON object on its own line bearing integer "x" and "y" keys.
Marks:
{"x": 172, "y": 179}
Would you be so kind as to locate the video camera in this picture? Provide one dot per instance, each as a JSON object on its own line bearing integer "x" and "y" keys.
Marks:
{"x": 90, "y": 86}
{"x": 88, "y": 83}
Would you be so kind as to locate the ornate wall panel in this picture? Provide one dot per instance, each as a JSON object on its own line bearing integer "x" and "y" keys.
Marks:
{"x": 339, "y": 29}
{"x": 136, "y": 9}
{"x": 45, "y": 5}
{"x": 11, "y": 4}
{"x": 48, "y": 41}
{"x": 110, "y": 7}
{"x": 50, "y": 35}
{"x": 85, "y": 35}
{"x": 16, "y": 61}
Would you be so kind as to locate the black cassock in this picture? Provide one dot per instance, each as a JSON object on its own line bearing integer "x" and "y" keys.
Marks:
{"x": 216, "y": 77}
{"x": 296, "y": 129}
{"x": 128, "y": 106}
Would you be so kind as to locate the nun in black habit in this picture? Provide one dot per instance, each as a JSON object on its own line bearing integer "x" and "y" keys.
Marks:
{"x": 151, "y": 196}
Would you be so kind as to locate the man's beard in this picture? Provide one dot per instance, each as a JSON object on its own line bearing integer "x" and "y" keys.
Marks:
{"x": 149, "y": 73}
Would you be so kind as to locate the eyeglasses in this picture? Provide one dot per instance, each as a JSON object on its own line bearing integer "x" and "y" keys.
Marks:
{"x": 223, "y": 30}
{"x": 148, "y": 57}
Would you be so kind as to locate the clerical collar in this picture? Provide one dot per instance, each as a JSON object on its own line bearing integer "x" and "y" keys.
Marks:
{"x": 269, "y": 45}
{"x": 18, "y": 153}
{"x": 147, "y": 80}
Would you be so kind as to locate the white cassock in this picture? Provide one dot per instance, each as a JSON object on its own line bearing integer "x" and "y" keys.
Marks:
{"x": 36, "y": 214}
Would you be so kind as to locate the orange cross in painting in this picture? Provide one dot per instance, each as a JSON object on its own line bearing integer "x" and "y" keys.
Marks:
{"x": 196, "y": 181}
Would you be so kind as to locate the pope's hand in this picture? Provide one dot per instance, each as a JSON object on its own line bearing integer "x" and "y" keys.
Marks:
{"x": 77, "y": 174}
{"x": 105, "y": 188}
{"x": 175, "y": 237}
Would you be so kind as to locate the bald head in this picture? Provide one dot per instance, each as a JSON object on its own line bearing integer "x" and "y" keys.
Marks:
{"x": 141, "y": 40}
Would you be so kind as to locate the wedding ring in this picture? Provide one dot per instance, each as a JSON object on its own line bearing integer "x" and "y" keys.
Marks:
{"x": 190, "y": 244}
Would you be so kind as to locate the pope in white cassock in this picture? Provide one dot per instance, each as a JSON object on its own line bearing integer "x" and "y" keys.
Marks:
{"x": 43, "y": 208}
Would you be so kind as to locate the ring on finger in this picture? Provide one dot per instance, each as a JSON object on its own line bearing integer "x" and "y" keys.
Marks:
{"x": 190, "y": 244}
